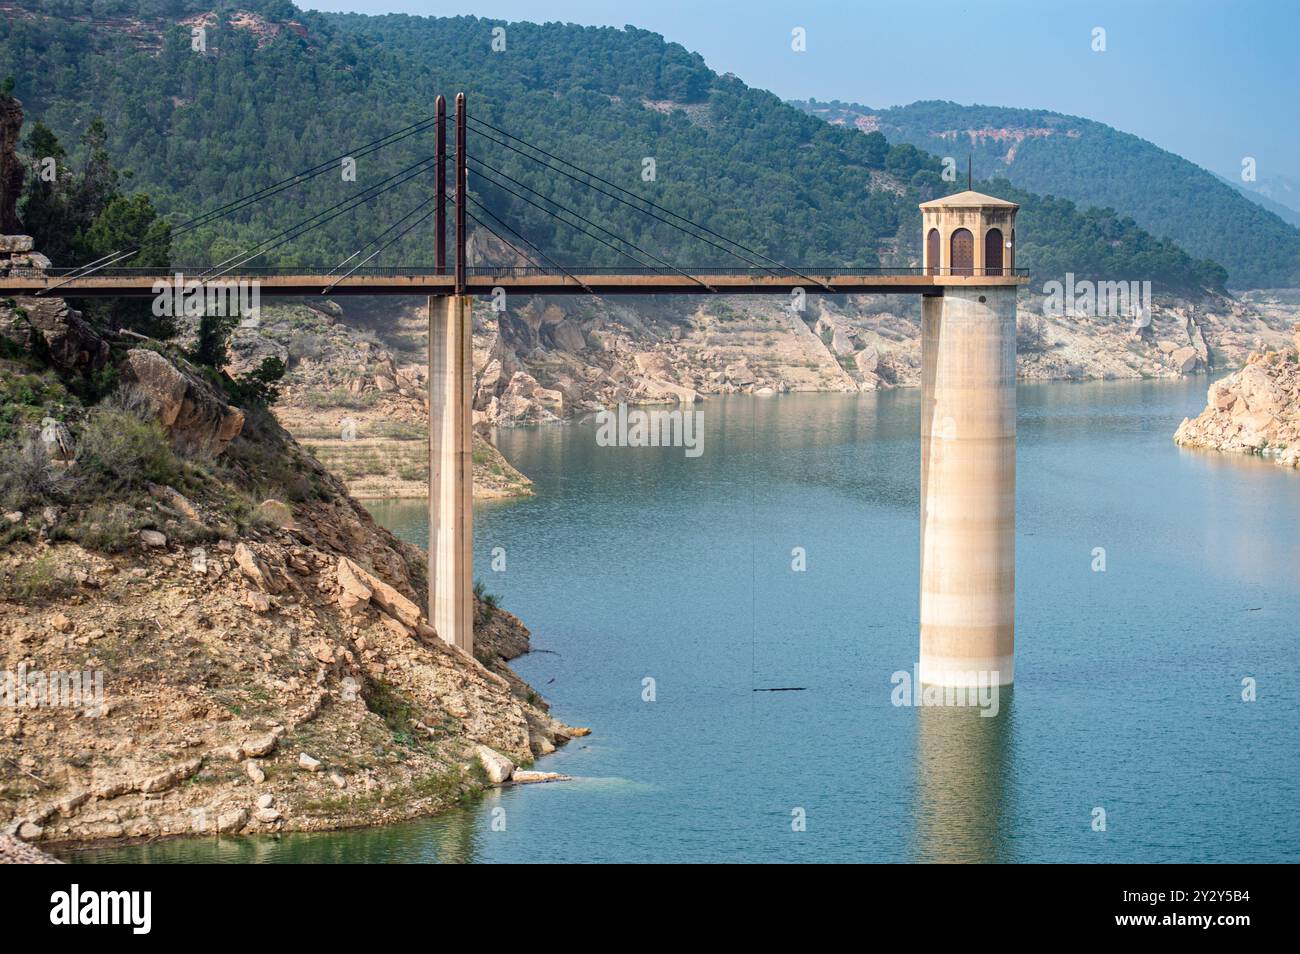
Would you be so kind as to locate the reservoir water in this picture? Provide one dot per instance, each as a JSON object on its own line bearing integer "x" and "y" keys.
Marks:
{"x": 632, "y": 565}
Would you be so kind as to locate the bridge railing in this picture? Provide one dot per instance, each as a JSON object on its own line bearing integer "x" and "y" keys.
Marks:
{"x": 197, "y": 272}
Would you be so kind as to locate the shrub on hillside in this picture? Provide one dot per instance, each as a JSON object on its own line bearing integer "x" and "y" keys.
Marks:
{"x": 124, "y": 448}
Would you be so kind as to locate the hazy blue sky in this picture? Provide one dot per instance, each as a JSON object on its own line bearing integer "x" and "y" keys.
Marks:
{"x": 1212, "y": 81}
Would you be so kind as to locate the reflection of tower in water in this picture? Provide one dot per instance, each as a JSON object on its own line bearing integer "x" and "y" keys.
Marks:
{"x": 963, "y": 766}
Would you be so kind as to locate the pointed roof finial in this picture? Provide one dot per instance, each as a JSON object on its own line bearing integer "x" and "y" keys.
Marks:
{"x": 969, "y": 186}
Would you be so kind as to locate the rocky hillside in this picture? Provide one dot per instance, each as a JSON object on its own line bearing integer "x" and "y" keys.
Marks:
{"x": 254, "y": 651}
{"x": 356, "y": 393}
{"x": 1254, "y": 411}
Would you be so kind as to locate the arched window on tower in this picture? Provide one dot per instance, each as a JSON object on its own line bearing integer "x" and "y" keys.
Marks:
{"x": 993, "y": 252}
{"x": 932, "y": 252}
{"x": 963, "y": 252}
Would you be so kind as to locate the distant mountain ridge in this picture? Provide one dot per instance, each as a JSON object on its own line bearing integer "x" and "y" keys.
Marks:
{"x": 1096, "y": 165}
{"x": 1278, "y": 195}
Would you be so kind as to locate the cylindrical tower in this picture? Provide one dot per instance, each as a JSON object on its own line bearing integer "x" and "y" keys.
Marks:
{"x": 968, "y": 443}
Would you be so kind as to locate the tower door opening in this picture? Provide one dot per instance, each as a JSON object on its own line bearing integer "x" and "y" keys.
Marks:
{"x": 963, "y": 252}
{"x": 993, "y": 252}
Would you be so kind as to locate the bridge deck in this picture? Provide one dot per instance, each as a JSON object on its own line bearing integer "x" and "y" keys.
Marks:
{"x": 286, "y": 282}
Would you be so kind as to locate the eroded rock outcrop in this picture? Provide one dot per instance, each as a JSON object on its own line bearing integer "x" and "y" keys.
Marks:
{"x": 191, "y": 410}
{"x": 288, "y": 681}
{"x": 1254, "y": 411}
{"x": 73, "y": 345}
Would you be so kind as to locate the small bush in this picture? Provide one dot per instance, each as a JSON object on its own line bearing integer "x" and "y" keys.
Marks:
{"x": 107, "y": 528}
{"x": 387, "y": 703}
{"x": 35, "y": 582}
{"x": 26, "y": 480}
{"x": 123, "y": 449}
{"x": 261, "y": 386}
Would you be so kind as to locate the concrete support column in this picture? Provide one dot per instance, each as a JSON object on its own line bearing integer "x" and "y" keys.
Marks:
{"x": 968, "y": 485}
{"x": 451, "y": 477}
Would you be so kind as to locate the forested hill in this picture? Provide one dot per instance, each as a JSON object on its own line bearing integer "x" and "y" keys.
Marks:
{"x": 279, "y": 89}
{"x": 1094, "y": 164}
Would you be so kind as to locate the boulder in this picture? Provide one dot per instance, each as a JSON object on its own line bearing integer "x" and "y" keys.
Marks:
{"x": 30, "y": 831}
{"x": 497, "y": 767}
{"x": 29, "y": 260}
{"x": 232, "y": 821}
{"x": 308, "y": 763}
{"x": 175, "y": 500}
{"x": 740, "y": 374}
{"x": 354, "y": 591}
{"x": 58, "y": 441}
{"x": 257, "y": 601}
{"x": 254, "y": 771}
{"x": 255, "y": 570}
{"x": 267, "y": 816}
{"x": 1221, "y": 397}
{"x": 355, "y": 582}
{"x": 10, "y": 244}
{"x": 259, "y": 746}
{"x": 841, "y": 343}
{"x": 170, "y": 778}
{"x": 191, "y": 411}
{"x": 73, "y": 345}
{"x": 152, "y": 538}
{"x": 72, "y": 802}
{"x": 653, "y": 364}
{"x": 568, "y": 337}
{"x": 1184, "y": 360}
{"x": 524, "y": 401}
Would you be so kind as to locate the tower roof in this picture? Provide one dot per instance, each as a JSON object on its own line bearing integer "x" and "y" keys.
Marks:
{"x": 968, "y": 200}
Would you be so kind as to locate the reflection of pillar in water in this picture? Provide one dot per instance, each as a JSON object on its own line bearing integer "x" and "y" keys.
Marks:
{"x": 963, "y": 761}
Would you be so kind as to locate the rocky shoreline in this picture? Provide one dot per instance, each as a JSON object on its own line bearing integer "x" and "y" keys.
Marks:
{"x": 1253, "y": 411}
{"x": 184, "y": 654}
{"x": 546, "y": 360}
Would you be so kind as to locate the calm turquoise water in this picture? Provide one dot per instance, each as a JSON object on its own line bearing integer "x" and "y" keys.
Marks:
{"x": 641, "y": 563}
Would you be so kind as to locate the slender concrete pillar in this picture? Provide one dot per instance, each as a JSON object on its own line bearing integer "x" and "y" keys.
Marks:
{"x": 968, "y": 485}
{"x": 451, "y": 477}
